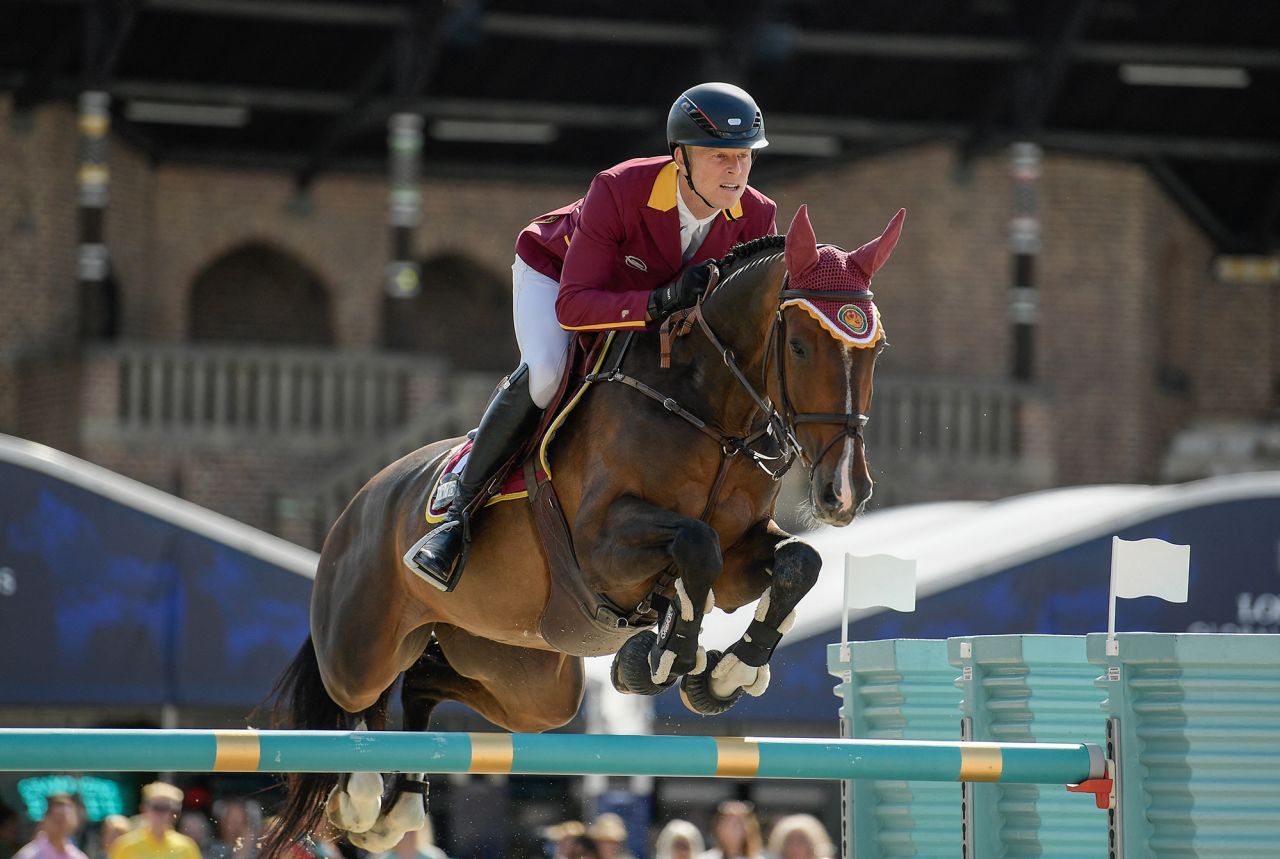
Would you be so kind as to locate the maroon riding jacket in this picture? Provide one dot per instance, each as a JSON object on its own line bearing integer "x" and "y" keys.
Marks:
{"x": 612, "y": 248}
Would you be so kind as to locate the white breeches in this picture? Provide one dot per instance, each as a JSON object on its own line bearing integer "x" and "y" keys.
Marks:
{"x": 544, "y": 345}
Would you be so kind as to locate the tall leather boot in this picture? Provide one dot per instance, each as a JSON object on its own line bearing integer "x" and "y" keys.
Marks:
{"x": 439, "y": 557}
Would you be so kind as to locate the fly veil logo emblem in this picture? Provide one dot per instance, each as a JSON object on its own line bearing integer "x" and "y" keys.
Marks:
{"x": 854, "y": 318}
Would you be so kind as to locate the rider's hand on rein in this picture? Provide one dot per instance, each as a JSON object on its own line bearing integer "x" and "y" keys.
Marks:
{"x": 682, "y": 292}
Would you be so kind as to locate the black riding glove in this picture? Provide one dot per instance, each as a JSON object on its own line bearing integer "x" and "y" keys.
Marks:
{"x": 682, "y": 292}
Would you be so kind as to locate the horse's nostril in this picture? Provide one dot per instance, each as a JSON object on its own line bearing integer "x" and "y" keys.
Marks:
{"x": 829, "y": 497}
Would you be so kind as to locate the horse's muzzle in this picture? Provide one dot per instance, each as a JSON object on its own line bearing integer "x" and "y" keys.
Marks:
{"x": 837, "y": 501}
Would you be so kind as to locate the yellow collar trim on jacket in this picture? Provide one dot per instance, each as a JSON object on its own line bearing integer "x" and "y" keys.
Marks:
{"x": 663, "y": 195}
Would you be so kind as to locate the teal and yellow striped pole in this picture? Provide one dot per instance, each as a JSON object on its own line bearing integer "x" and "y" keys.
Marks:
{"x": 115, "y": 750}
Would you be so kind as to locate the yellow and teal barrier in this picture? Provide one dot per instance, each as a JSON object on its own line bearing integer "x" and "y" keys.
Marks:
{"x": 121, "y": 750}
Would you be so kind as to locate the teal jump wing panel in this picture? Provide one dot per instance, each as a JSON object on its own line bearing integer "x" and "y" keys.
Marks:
{"x": 901, "y": 689}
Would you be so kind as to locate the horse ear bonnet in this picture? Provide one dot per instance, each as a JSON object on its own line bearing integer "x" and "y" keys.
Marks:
{"x": 831, "y": 269}
{"x": 802, "y": 245}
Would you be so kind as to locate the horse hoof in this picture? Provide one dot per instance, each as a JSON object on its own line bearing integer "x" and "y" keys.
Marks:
{"x": 695, "y": 690}
{"x": 630, "y": 671}
{"x": 355, "y": 806}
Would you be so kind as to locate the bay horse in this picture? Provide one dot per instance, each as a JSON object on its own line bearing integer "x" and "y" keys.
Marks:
{"x": 673, "y": 473}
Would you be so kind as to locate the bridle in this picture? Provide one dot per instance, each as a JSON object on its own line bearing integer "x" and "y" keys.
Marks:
{"x": 851, "y": 422}
{"x": 779, "y": 424}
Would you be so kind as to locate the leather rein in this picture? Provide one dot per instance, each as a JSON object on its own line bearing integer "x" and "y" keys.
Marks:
{"x": 779, "y": 424}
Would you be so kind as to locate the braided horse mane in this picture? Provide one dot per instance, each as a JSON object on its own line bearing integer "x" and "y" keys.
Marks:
{"x": 744, "y": 251}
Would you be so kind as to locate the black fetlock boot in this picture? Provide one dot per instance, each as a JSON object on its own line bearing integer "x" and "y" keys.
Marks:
{"x": 439, "y": 557}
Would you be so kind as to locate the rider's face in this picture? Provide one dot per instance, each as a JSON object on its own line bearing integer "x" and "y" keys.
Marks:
{"x": 720, "y": 175}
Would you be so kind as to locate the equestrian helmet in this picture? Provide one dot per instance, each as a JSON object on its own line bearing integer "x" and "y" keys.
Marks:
{"x": 718, "y": 115}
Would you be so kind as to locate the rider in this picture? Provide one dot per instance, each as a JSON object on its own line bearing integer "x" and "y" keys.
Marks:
{"x": 616, "y": 259}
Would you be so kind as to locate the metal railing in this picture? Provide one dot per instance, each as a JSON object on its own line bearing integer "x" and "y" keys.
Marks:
{"x": 948, "y": 417}
{"x": 310, "y": 510}
{"x": 234, "y": 392}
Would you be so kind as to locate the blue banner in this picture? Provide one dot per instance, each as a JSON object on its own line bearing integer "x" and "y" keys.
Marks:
{"x": 103, "y": 604}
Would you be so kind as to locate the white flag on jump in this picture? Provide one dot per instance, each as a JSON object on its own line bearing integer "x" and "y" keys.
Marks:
{"x": 880, "y": 580}
{"x": 876, "y": 580}
{"x": 1141, "y": 568}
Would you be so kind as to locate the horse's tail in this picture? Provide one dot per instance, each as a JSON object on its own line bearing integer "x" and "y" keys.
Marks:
{"x": 299, "y": 700}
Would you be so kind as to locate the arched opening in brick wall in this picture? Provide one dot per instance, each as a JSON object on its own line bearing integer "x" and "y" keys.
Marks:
{"x": 256, "y": 293}
{"x": 463, "y": 313}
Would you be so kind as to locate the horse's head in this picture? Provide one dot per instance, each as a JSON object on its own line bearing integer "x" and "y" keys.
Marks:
{"x": 827, "y": 347}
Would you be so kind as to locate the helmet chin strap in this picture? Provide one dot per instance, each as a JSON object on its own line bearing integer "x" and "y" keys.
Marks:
{"x": 688, "y": 177}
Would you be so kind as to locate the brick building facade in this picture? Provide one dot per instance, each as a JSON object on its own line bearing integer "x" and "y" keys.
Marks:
{"x": 1135, "y": 339}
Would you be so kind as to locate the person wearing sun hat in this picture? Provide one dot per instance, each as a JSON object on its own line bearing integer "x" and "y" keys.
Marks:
{"x": 156, "y": 838}
{"x": 610, "y": 833}
{"x": 560, "y": 834}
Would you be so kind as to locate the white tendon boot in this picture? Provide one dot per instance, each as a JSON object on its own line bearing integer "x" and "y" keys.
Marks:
{"x": 731, "y": 674}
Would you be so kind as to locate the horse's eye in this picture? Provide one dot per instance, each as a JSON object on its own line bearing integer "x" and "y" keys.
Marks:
{"x": 797, "y": 348}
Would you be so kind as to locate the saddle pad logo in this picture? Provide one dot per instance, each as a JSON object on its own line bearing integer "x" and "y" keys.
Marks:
{"x": 854, "y": 318}
{"x": 636, "y": 262}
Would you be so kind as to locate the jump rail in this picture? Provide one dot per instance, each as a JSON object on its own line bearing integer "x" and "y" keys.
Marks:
{"x": 99, "y": 750}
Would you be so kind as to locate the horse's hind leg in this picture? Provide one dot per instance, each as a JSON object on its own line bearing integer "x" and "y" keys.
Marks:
{"x": 407, "y": 798}
{"x": 785, "y": 569}
{"x": 517, "y": 688}
{"x": 355, "y": 802}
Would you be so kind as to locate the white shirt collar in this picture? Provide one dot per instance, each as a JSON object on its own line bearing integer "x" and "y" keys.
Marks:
{"x": 692, "y": 230}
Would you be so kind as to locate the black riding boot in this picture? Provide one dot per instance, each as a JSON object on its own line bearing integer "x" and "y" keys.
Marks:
{"x": 506, "y": 424}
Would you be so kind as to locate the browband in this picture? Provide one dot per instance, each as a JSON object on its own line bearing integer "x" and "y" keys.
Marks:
{"x": 828, "y": 295}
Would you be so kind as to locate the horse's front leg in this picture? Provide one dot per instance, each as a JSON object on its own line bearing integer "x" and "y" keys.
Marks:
{"x": 778, "y": 568}
{"x": 637, "y": 541}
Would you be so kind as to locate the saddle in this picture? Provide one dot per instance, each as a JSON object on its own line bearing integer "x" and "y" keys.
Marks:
{"x": 576, "y": 619}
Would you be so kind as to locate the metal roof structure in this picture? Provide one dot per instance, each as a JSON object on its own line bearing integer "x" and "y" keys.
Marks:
{"x": 1189, "y": 90}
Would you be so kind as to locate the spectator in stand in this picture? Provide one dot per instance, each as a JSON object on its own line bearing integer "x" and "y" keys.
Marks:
{"x": 53, "y": 838}
{"x": 610, "y": 835}
{"x": 580, "y": 847}
{"x": 109, "y": 829}
{"x": 239, "y": 828}
{"x": 10, "y": 831}
{"x": 559, "y": 836}
{"x": 800, "y": 836}
{"x": 736, "y": 832}
{"x": 679, "y": 839}
{"x": 196, "y": 826}
{"x": 155, "y": 837}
